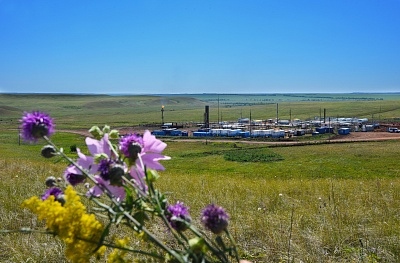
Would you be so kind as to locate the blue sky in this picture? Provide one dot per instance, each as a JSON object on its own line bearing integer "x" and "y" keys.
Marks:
{"x": 208, "y": 46}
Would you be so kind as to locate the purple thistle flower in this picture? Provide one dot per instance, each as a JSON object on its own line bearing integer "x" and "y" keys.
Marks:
{"x": 35, "y": 125}
{"x": 104, "y": 167}
{"x": 131, "y": 145}
{"x": 52, "y": 191}
{"x": 178, "y": 211}
{"x": 214, "y": 218}
{"x": 111, "y": 170}
{"x": 74, "y": 176}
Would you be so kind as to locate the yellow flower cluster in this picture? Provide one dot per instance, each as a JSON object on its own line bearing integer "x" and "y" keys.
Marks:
{"x": 117, "y": 256}
{"x": 80, "y": 231}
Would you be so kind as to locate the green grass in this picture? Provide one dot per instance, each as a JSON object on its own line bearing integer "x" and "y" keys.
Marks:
{"x": 338, "y": 202}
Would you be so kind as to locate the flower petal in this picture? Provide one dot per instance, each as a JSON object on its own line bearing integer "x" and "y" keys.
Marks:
{"x": 98, "y": 147}
{"x": 151, "y": 144}
{"x": 118, "y": 192}
{"x": 87, "y": 162}
{"x": 94, "y": 191}
{"x": 151, "y": 160}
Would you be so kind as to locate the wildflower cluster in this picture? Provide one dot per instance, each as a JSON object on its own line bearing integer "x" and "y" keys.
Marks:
{"x": 80, "y": 231}
{"x": 119, "y": 174}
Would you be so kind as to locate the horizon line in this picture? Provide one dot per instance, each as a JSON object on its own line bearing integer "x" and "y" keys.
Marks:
{"x": 203, "y": 93}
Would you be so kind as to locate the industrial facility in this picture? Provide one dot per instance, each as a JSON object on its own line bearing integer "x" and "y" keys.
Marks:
{"x": 269, "y": 128}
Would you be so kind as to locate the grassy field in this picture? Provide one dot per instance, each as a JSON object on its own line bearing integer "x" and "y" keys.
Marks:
{"x": 315, "y": 203}
{"x": 77, "y": 111}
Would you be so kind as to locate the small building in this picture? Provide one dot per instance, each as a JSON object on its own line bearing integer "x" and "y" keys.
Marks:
{"x": 175, "y": 133}
{"x": 201, "y": 134}
{"x": 158, "y": 133}
{"x": 344, "y": 131}
{"x": 320, "y": 130}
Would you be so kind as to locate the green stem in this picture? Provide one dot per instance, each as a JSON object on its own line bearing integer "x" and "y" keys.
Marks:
{"x": 153, "y": 238}
{"x": 233, "y": 244}
{"x": 217, "y": 252}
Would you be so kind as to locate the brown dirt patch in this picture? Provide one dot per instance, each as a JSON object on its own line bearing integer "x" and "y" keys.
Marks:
{"x": 368, "y": 136}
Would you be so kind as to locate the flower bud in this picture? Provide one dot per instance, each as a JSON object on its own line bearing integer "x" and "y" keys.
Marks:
{"x": 178, "y": 216}
{"x": 131, "y": 145}
{"x": 96, "y": 132}
{"x": 114, "y": 134}
{"x": 197, "y": 245}
{"x": 61, "y": 198}
{"x": 115, "y": 174}
{"x": 214, "y": 218}
{"x": 50, "y": 181}
{"x": 106, "y": 129}
{"x": 48, "y": 151}
{"x": 36, "y": 125}
{"x": 39, "y": 130}
{"x": 134, "y": 149}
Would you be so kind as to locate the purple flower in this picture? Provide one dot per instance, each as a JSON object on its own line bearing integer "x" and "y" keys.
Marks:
{"x": 35, "y": 125}
{"x": 52, "y": 191}
{"x": 107, "y": 171}
{"x": 131, "y": 145}
{"x": 104, "y": 167}
{"x": 111, "y": 170}
{"x": 214, "y": 218}
{"x": 74, "y": 176}
{"x": 178, "y": 211}
{"x": 149, "y": 148}
{"x": 96, "y": 191}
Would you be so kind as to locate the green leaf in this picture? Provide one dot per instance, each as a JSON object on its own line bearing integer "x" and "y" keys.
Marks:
{"x": 141, "y": 217}
{"x": 128, "y": 198}
{"x": 152, "y": 175}
{"x": 198, "y": 245}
